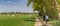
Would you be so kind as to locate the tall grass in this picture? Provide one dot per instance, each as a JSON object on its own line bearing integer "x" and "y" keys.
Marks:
{"x": 21, "y": 20}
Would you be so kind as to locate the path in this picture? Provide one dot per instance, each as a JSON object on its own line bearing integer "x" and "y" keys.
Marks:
{"x": 39, "y": 23}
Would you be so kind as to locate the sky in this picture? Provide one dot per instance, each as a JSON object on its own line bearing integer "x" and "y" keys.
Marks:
{"x": 15, "y": 5}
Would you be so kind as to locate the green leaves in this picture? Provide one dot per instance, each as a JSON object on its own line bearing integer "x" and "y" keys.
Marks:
{"x": 45, "y": 7}
{"x": 29, "y": 2}
{"x": 58, "y": 1}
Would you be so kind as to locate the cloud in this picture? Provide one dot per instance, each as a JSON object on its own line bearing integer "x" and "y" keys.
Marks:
{"x": 0, "y": 6}
{"x": 18, "y": 8}
{"x": 9, "y": 6}
{"x": 2, "y": 1}
{"x": 8, "y": 1}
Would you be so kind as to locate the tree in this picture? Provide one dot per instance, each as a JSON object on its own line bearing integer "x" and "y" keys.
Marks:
{"x": 46, "y": 7}
{"x": 58, "y": 7}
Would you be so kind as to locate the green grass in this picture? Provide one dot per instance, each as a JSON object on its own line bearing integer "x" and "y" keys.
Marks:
{"x": 21, "y": 20}
{"x": 56, "y": 23}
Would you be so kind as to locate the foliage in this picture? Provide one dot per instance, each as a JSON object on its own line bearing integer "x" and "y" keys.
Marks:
{"x": 48, "y": 7}
{"x": 58, "y": 2}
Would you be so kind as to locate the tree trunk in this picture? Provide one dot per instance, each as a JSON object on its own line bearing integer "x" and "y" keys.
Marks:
{"x": 59, "y": 16}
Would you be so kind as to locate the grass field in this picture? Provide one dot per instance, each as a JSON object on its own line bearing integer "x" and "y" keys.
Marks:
{"x": 21, "y": 20}
{"x": 56, "y": 23}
